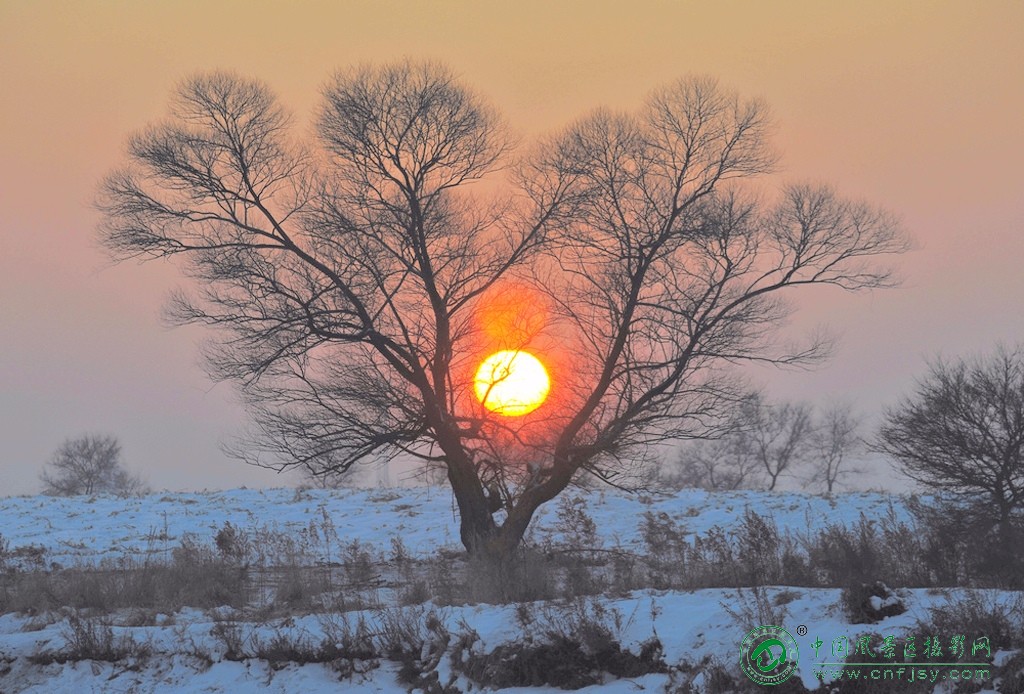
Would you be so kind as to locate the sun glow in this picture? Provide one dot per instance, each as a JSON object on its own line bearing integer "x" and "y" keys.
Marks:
{"x": 512, "y": 383}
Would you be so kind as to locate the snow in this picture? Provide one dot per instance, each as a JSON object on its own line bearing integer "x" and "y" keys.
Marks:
{"x": 691, "y": 625}
{"x": 877, "y": 603}
{"x": 87, "y": 529}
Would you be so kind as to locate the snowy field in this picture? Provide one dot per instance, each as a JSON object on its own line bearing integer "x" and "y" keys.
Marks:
{"x": 693, "y": 627}
{"x": 689, "y": 625}
{"x": 86, "y": 529}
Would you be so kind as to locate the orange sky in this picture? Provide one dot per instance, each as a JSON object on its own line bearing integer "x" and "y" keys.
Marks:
{"x": 913, "y": 105}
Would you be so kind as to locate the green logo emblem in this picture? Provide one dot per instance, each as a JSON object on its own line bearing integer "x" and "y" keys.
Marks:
{"x": 768, "y": 655}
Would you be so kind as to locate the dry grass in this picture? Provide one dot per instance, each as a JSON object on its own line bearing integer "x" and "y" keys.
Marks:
{"x": 313, "y": 570}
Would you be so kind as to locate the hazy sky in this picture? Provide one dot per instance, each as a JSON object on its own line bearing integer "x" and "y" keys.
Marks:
{"x": 916, "y": 106}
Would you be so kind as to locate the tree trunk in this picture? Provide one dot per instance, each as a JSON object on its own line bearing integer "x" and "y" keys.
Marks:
{"x": 511, "y": 533}
{"x": 477, "y": 528}
{"x": 480, "y": 535}
{"x": 1005, "y": 525}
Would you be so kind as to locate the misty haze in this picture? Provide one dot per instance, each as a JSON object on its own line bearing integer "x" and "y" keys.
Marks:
{"x": 443, "y": 348}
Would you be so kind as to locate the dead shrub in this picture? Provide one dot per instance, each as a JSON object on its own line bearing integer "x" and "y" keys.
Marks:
{"x": 93, "y": 639}
{"x": 568, "y": 646}
{"x": 974, "y": 614}
{"x": 232, "y": 543}
{"x": 753, "y": 607}
{"x": 195, "y": 577}
{"x": 577, "y": 526}
{"x": 228, "y": 633}
{"x": 666, "y": 546}
{"x": 415, "y": 637}
{"x": 866, "y": 603}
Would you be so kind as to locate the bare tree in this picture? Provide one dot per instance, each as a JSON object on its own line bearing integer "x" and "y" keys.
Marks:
{"x": 780, "y": 435}
{"x": 762, "y": 442}
{"x": 963, "y": 430}
{"x": 89, "y": 464}
{"x": 349, "y": 275}
{"x": 835, "y": 443}
{"x": 725, "y": 463}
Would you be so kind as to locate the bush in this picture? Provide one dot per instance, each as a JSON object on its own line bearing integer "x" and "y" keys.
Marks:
{"x": 195, "y": 577}
{"x": 232, "y": 543}
{"x": 414, "y": 637}
{"x": 286, "y": 647}
{"x": 1009, "y": 678}
{"x": 979, "y": 613}
{"x": 229, "y": 634}
{"x": 568, "y": 646}
{"x": 753, "y": 607}
{"x": 576, "y": 524}
{"x": 666, "y": 546}
{"x": 934, "y": 549}
{"x": 963, "y": 546}
{"x": 712, "y": 676}
{"x": 92, "y": 639}
{"x": 870, "y": 603}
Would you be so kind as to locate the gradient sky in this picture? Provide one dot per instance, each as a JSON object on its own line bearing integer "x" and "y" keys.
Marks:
{"x": 916, "y": 106}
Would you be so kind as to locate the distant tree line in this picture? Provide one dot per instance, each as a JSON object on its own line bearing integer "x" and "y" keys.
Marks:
{"x": 960, "y": 433}
{"x": 765, "y": 441}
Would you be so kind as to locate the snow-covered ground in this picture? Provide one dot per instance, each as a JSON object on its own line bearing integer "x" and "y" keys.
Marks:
{"x": 691, "y": 625}
{"x": 86, "y": 529}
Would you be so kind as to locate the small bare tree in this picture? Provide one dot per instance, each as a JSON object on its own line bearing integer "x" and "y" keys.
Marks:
{"x": 963, "y": 430}
{"x": 835, "y": 443}
{"x": 762, "y": 442}
{"x": 725, "y": 463}
{"x": 780, "y": 435}
{"x": 349, "y": 276}
{"x": 89, "y": 464}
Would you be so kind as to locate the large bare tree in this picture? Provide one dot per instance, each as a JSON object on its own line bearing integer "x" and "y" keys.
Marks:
{"x": 349, "y": 274}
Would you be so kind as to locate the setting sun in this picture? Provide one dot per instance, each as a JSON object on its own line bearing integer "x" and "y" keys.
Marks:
{"x": 512, "y": 383}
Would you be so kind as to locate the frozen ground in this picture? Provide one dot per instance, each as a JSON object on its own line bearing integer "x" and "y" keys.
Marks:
{"x": 691, "y": 625}
{"x": 85, "y": 529}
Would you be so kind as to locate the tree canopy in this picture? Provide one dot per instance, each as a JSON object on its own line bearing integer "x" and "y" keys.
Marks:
{"x": 360, "y": 277}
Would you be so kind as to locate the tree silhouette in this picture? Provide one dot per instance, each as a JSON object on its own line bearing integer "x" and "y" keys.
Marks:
{"x": 360, "y": 278}
{"x": 963, "y": 430}
{"x": 89, "y": 464}
{"x": 762, "y": 442}
{"x": 836, "y": 442}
